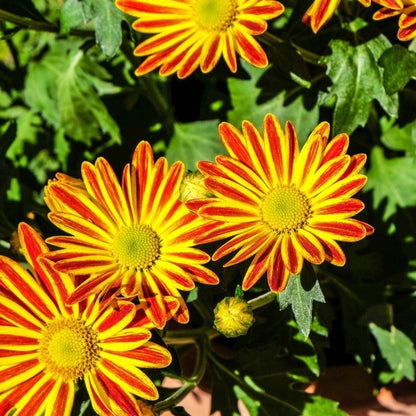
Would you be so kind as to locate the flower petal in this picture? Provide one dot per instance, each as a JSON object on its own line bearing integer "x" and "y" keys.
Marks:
{"x": 277, "y": 273}
{"x": 128, "y": 378}
{"x": 343, "y": 230}
{"x": 259, "y": 264}
{"x": 113, "y": 320}
{"x": 291, "y": 257}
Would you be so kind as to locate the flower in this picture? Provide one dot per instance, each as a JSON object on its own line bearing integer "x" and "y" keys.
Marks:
{"x": 233, "y": 316}
{"x": 46, "y": 346}
{"x": 407, "y": 11}
{"x": 279, "y": 204}
{"x": 136, "y": 238}
{"x": 192, "y": 33}
{"x": 321, "y": 11}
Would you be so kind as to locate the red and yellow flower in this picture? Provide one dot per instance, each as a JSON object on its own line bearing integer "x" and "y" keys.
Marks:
{"x": 321, "y": 11}
{"x": 46, "y": 346}
{"x": 407, "y": 20}
{"x": 192, "y": 33}
{"x": 135, "y": 239}
{"x": 280, "y": 204}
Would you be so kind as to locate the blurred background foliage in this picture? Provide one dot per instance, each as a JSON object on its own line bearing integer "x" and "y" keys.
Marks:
{"x": 68, "y": 94}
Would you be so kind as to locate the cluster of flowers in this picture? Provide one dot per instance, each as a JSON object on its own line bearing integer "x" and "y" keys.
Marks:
{"x": 86, "y": 309}
{"x": 195, "y": 33}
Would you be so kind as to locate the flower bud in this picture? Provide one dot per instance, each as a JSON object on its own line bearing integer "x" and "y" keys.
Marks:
{"x": 193, "y": 187}
{"x": 233, "y": 317}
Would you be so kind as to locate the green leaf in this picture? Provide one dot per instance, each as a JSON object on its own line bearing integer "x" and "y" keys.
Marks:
{"x": 29, "y": 128}
{"x": 194, "y": 141}
{"x": 192, "y": 295}
{"x": 392, "y": 181}
{"x": 102, "y": 15}
{"x": 401, "y": 138}
{"x": 71, "y": 16}
{"x": 357, "y": 81}
{"x": 107, "y": 23}
{"x": 61, "y": 87}
{"x": 311, "y": 360}
{"x": 301, "y": 300}
{"x": 244, "y": 96}
{"x": 322, "y": 406}
{"x": 251, "y": 404}
{"x": 263, "y": 382}
{"x": 397, "y": 349}
{"x": 399, "y": 67}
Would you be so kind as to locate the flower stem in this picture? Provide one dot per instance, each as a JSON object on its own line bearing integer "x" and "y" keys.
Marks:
{"x": 307, "y": 55}
{"x": 262, "y": 300}
{"x": 188, "y": 336}
{"x": 190, "y": 383}
{"x": 38, "y": 26}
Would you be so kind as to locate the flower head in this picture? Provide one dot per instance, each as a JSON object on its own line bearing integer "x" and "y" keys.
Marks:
{"x": 407, "y": 11}
{"x": 136, "y": 238}
{"x": 279, "y": 204}
{"x": 192, "y": 33}
{"x": 46, "y": 346}
{"x": 321, "y": 11}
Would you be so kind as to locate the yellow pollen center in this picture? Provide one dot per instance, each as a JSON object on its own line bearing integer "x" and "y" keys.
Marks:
{"x": 215, "y": 15}
{"x": 285, "y": 209}
{"x": 68, "y": 348}
{"x": 137, "y": 246}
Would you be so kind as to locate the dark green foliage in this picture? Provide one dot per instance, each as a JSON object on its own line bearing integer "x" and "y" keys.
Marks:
{"x": 68, "y": 94}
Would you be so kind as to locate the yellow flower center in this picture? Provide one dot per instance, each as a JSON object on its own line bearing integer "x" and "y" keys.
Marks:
{"x": 68, "y": 348}
{"x": 285, "y": 209}
{"x": 215, "y": 15}
{"x": 137, "y": 246}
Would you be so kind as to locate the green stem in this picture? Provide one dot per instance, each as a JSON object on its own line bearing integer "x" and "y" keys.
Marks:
{"x": 299, "y": 88}
{"x": 262, "y": 300}
{"x": 153, "y": 93}
{"x": 307, "y": 55}
{"x": 190, "y": 383}
{"x": 27, "y": 23}
{"x": 38, "y": 26}
{"x": 336, "y": 281}
{"x": 188, "y": 336}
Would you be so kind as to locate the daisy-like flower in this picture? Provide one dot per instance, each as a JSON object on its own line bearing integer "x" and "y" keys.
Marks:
{"x": 46, "y": 346}
{"x": 192, "y": 33}
{"x": 407, "y": 11}
{"x": 279, "y": 204}
{"x": 136, "y": 238}
{"x": 321, "y": 11}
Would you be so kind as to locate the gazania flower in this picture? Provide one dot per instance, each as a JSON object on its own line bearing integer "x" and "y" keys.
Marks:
{"x": 321, "y": 11}
{"x": 192, "y": 33}
{"x": 407, "y": 11}
{"x": 46, "y": 346}
{"x": 279, "y": 204}
{"x": 136, "y": 238}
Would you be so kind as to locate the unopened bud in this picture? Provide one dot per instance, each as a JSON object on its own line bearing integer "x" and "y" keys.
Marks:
{"x": 193, "y": 187}
{"x": 233, "y": 317}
